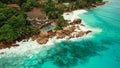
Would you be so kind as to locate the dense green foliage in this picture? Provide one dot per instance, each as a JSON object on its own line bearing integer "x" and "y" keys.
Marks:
{"x": 80, "y": 3}
{"x": 25, "y": 5}
{"x": 29, "y": 4}
{"x": 20, "y": 2}
{"x": 61, "y": 1}
{"x": 7, "y": 33}
{"x": 60, "y": 23}
{"x": 54, "y": 12}
{"x": 13, "y": 23}
{"x": 87, "y": 1}
{"x": 50, "y": 9}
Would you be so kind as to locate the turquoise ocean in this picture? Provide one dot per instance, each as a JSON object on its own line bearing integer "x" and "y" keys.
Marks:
{"x": 100, "y": 51}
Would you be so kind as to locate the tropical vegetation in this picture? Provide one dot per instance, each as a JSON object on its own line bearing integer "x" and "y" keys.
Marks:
{"x": 13, "y": 23}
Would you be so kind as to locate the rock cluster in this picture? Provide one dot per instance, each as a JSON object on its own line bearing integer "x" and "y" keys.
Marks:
{"x": 42, "y": 40}
{"x": 77, "y": 21}
{"x": 70, "y": 31}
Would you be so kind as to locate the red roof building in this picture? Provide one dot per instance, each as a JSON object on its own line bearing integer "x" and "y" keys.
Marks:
{"x": 13, "y": 5}
{"x": 35, "y": 9}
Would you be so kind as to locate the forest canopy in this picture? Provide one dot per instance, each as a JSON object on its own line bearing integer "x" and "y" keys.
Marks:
{"x": 13, "y": 23}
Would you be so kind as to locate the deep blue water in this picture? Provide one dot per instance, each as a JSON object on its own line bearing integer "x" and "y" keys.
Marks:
{"x": 101, "y": 51}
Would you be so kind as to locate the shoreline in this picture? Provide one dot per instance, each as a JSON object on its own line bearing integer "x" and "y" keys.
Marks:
{"x": 75, "y": 29}
{"x": 3, "y": 46}
{"x": 30, "y": 46}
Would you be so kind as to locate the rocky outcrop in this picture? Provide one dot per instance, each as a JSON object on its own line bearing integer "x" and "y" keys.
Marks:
{"x": 42, "y": 40}
{"x": 77, "y": 21}
{"x": 43, "y": 33}
{"x": 102, "y": 3}
{"x": 60, "y": 36}
{"x": 59, "y": 32}
{"x": 34, "y": 37}
{"x": 51, "y": 33}
{"x": 66, "y": 28}
{"x": 53, "y": 30}
{"x": 8, "y": 45}
{"x": 15, "y": 44}
{"x": 81, "y": 33}
{"x": 67, "y": 32}
{"x": 89, "y": 31}
{"x": 82, "y": 25}
{"x": 71, "y": 31}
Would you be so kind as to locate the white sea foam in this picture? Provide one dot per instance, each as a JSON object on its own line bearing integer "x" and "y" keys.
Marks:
{"x": 32, "y": 47}
{"x": 28, "y": 48}
{"x": 73, "y": 15}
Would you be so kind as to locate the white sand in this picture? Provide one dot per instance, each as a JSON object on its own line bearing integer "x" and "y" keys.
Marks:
{"x": 32, "y": 47}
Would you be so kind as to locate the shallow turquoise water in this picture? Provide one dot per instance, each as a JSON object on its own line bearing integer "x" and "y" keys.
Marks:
{"x": 101, "y": 51}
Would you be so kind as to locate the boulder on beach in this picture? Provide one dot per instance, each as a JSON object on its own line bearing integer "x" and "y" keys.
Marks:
{"x": 60, "y": 36}
{"x": 66, "y": 32}
{"x": 102, "y": 3}
{"x": 89, "y": 31}
{"x": 14, "y": 44}
{"x": 71, "y": 29}
{"x": 82, "y": 25}
{"x": 58, "y": 31}
{"x": 51, "y": 34}
{"x": 43, "y": 33}
{"x": 2, "y": 45}
{"x": 53, "y": 30}
{"x": 42, "y": 41}
{"x": 70, "y": 36}
{"x": 81, "y": 33}
{"x": 34, "y": 37}
{"x": 66, "y": 28}
{"x": 68, "y": 21}
{"x": 77, "y": 21}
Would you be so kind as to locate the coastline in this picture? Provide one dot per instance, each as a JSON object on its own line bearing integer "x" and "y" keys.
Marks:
{"x": 7, "y": 46}
{"x": 31, "y": 46}
{"x": 61, "y": 52}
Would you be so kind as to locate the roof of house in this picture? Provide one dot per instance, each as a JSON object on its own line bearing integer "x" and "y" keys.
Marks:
{"x": 35, "y": 9}
{"x": 13, "y": 5}
{"x": 36, "y": 13}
